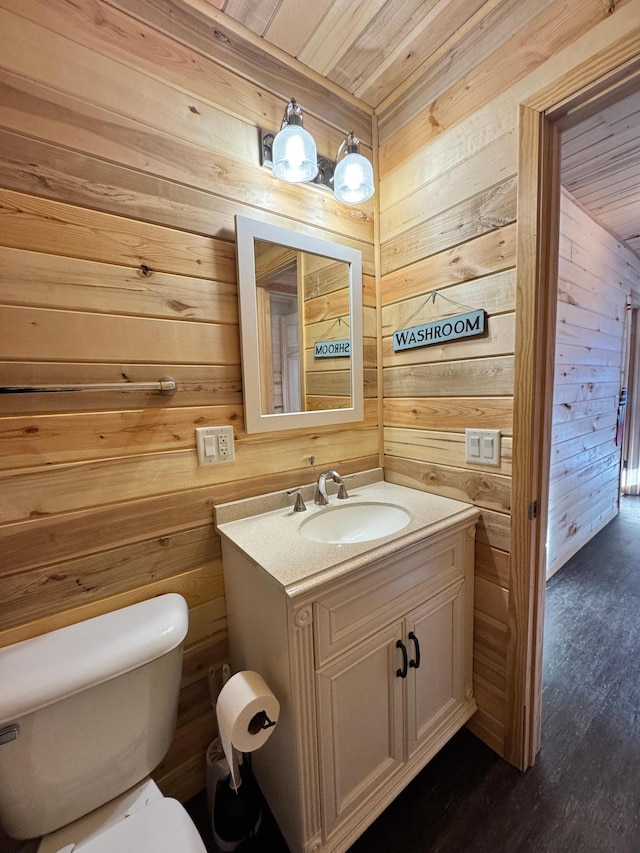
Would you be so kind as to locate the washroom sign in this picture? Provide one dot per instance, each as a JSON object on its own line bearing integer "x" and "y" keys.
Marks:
{"x": 440, "y": 331}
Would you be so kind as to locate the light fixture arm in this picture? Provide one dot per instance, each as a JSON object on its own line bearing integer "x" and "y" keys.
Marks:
{"x": 349, "y": 145}
{"x": 292, "y": 115}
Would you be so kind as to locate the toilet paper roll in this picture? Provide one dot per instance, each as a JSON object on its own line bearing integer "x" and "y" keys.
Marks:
{"x": 247, "y": 712}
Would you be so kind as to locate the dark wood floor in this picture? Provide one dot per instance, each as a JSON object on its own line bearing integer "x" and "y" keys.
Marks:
{"x": 583, "y": 794}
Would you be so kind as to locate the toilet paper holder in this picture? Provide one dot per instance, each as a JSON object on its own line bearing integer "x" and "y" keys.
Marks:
{"x": 259, "y": 722}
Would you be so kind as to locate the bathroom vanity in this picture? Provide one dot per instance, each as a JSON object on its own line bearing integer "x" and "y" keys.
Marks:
{"x": 366, "y": 644}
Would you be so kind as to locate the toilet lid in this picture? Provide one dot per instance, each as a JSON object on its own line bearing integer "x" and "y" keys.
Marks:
{"x": 161, "y": 827}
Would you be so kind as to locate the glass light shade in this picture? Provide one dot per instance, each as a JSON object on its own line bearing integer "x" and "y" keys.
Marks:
{"x": 353, "y": 179}
{"x": 295, "y": 159}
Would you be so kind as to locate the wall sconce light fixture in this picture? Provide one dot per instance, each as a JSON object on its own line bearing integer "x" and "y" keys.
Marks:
{"x": 295, "y": 159}
{"x": 292, "y": 155}
{"x": 353, "y": 175}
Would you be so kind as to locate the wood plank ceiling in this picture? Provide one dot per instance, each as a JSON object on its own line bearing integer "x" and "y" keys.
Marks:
{"x": 378, "y": 49}
{"x": 601, "y": 167}
{"x": 371, "y": 48}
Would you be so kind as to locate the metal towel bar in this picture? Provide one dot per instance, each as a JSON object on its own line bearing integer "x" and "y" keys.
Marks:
{"x": 167, "y": 385}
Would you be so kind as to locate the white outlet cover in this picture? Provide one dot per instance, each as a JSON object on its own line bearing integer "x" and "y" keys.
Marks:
{"x": 217, "y": 458}
{"x": 482, "y": 446}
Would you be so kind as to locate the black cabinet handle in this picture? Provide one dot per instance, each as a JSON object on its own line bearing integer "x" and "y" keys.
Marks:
{"x": 402, "y": 673}
{"x": 416, "y": 661}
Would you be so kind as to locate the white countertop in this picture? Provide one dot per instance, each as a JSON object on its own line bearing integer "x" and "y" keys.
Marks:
{"x": 267, "y": 530}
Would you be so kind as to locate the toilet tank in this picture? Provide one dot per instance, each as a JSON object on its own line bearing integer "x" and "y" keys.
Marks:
{"x": 86, "y": 712}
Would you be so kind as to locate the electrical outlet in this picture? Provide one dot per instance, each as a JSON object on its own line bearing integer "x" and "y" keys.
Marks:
{"x": 215, "y": 445}
{"x": 482, "y": 446}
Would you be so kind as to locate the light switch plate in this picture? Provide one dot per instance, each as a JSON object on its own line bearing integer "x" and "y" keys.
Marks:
{"x": 482, "y": 446}
{"x": 215, "y": 445}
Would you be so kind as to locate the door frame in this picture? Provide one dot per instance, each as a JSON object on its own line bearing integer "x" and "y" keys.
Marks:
{"x": 581, "y": 92}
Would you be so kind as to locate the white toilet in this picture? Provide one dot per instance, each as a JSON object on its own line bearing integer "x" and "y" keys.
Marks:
{"x": 86, "y": 713}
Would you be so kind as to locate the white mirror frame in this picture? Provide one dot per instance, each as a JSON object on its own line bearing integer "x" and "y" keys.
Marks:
{"x": 247, "y": 232}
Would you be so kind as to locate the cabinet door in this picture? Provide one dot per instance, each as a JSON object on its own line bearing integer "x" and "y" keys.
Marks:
{"x": 436, "y": 641}
{"x": 360, "y": 723}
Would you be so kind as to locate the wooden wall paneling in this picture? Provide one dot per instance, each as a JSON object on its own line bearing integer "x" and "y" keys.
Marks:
{"x": 49, "y": 539}
{"x": 197, "y": 384}
{"x": 48, "y": 226}
{"x": 491, "y": 376}
{"x": 585, "y": 392}
{"x": 197, "y": 585}
{"x": 490, "y": 641}
{"x": 404, "y": 199}
{"x": 35, "y": 333}
{"x": 451, "y": 413}
{"x": 584, "y": 513}
{"x": 567, "y": 354}
{"x": 490, "y": 253}
{"x": 53, "y": 281}
{"x": 190, "y": 21}
{"x": 485, "y": 490}
{"x": 584, "y": 409}
{"x": 76, "y": 486}
{"x": 44, "y": 169}
{"x": 124, "y": 156}
{"x": 446, "y": 448}
{"x": 492, "y": 600}
{"x": 492, "y": 564}
{"x": 480, "y": 126}
{"x": 495, "y": 293}
{"x": 486, "y": 211}
{"x": 584, "y": 461}
{"x": 206, "y": 620}
{"x": 38, "y": 592}
{"x": 566, "y": 430}
{"x": 569, "y": 539}
{"x": 494, "y": 529}
{"x": 575, "y": 470}
{"x": 114, "y": 35}
{"x": 120, "y": 143}
{"x": 436, "y": 145}
{"x": 481, "y": 45}
{"x": 46, "y": 439}
{"x": 443, "y": 99}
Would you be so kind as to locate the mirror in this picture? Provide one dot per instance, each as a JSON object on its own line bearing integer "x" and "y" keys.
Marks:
{"x": 300, "y": 328}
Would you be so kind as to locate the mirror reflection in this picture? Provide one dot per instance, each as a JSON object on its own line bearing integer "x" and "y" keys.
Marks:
{"x": 300, "y": 328}
{"x": 304, "y": 330}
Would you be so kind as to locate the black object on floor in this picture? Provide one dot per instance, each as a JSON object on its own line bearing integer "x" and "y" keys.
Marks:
{"x": 268, "y": 838}
{"x": 236, "y": 814}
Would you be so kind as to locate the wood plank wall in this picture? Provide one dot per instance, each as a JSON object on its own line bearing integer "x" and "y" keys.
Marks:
{"x": 124, "y": 156}
{"x": 326, "y": 318}
{"x": 596, "y": 276}
{"x": 448, "y": 169}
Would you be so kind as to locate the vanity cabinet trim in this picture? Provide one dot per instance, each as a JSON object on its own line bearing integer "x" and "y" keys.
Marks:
{"x": 348, "y": 614}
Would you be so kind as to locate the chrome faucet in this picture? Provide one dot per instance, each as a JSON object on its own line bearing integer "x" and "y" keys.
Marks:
{"x": 321, "y": 498}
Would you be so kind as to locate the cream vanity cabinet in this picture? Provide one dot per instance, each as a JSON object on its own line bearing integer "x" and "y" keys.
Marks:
{"x": 373, "y": 669}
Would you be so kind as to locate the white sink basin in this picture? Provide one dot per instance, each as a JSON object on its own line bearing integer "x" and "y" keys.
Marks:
{"x": 359, "y": 522}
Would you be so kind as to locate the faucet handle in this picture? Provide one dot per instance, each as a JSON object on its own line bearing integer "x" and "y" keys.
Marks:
{"x": 299, "y": 504}
{"x": 342, "y": 492}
